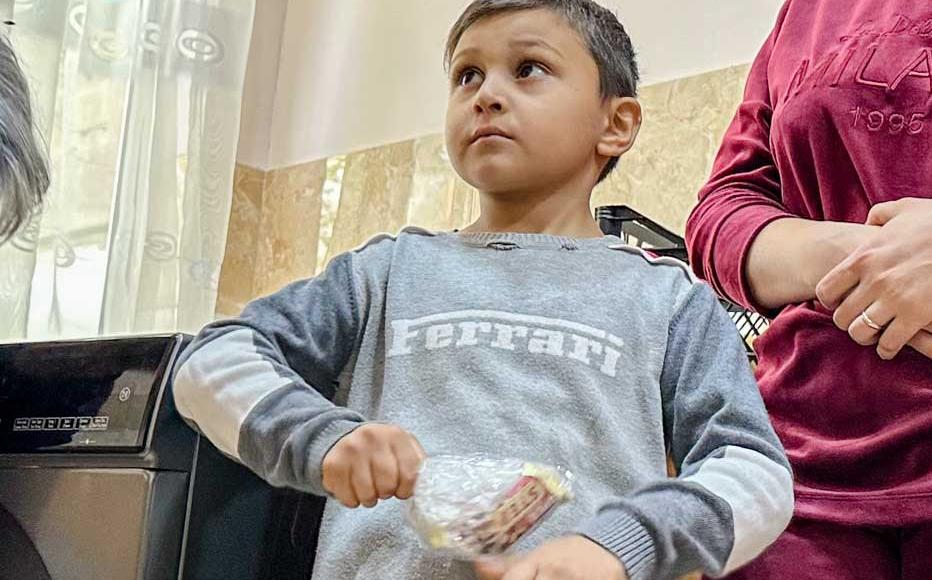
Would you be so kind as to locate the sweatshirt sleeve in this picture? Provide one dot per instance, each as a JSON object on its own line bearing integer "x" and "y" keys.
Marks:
{"x": 743, "y": 195}
{"x": 734, "y": 494}
{"x": 260, "y": 387}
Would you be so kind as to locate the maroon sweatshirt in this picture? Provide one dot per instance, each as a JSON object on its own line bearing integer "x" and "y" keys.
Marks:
{"x": 837, "y": 117}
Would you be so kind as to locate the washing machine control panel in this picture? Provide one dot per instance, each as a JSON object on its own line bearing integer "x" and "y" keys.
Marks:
{"x": 93, "y": 395}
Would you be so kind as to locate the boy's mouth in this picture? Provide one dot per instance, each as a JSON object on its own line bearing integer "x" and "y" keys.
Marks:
{"x": 488, "y": 133}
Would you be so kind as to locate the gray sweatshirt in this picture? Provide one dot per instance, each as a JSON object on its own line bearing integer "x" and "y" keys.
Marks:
{"x": 582, "y": 353}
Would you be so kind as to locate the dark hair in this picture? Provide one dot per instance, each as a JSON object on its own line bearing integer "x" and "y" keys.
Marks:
{"x": 605, "y": 36}
{"x": 24, "y": 175}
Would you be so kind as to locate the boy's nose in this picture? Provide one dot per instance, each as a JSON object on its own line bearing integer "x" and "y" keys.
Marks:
{"x": 489, "y": 99}
{"x": 489, "y": 105}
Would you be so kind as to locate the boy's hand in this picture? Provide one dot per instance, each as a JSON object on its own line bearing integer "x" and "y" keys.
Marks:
{"x": 373, "y": 462}
{"x": 573, "y": 558}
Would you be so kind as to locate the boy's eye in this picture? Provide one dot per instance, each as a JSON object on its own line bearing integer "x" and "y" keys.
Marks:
{"x": 467, "y": 77}
{"x": 530, "y": 69}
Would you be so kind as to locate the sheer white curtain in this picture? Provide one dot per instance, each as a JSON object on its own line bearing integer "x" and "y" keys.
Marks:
{"x": 140, "y": 103}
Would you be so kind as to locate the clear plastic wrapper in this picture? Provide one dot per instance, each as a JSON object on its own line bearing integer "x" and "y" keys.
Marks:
{"x": 476, "y": 505}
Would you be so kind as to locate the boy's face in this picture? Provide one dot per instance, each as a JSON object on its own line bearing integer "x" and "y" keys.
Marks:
{"x": 525, "y": 112}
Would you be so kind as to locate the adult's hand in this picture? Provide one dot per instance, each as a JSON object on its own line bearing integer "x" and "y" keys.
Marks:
{"x": 882, "y": 293}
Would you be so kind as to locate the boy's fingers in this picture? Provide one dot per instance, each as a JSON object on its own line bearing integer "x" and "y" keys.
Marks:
{"x": 490, "y": 568}
{"x": 336, "y": 481}
{"x": 421, "y": 454}
{"x": 409, "y": 456}
{"x": 385, "y": 474}
{"x": 415, "y": 445}
{"x": 347, "y": 497}
{"x": 343, "y": 492}
{"x": 525, "y": 570}
{"x": 362, "y": 484}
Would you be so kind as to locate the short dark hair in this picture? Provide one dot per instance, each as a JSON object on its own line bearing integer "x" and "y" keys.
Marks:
{"x": 24, "y": 175}
{"x": 605, "y": 36}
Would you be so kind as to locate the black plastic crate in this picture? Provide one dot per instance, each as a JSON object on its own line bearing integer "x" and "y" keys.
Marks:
{"x": 640, "y": 231}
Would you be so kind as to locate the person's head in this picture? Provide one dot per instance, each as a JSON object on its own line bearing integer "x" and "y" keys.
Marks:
{"x": 24, "y": 176}
{"x": 557, "y": 79}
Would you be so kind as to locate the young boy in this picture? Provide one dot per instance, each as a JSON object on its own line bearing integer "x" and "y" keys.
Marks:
{"x": 528, "y": 335}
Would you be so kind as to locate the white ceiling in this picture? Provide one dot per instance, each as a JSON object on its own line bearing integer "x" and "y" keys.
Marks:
{"x": 353, "y": 74}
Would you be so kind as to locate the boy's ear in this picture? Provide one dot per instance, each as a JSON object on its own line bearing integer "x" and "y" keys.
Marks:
{"x": 622, "y": 127}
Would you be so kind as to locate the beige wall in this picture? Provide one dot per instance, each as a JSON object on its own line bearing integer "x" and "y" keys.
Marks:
{"x": 273, "y": 234}
{"x": 684, "y": 121}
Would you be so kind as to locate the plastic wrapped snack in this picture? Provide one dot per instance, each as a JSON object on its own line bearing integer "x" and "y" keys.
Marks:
{"x": 470, "y": 506}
